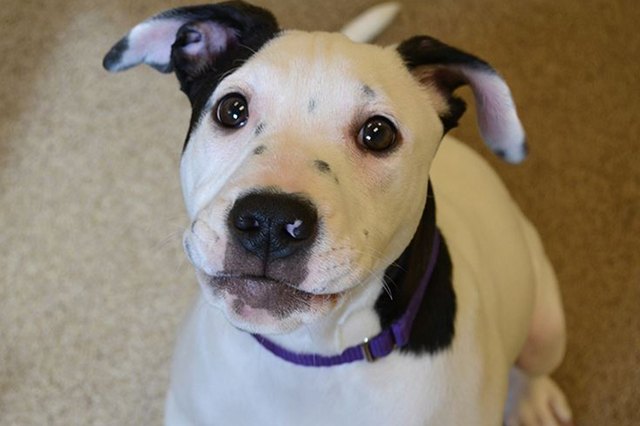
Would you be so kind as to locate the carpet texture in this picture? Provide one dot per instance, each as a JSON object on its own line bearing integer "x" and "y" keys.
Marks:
{"x": 93, "y": 281}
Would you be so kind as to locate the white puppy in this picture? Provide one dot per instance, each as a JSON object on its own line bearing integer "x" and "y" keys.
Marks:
{"x": 333, "y": 291}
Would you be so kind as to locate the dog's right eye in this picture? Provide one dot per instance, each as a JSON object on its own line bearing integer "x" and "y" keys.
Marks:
{"x": 232, "y": 111}
{"x": 378, "y": 134}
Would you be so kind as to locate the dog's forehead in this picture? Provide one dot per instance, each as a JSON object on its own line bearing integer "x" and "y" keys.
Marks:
{"x": 300, "y": 63}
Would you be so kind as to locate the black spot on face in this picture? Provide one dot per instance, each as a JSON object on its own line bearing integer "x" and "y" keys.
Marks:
{"x": 312, "y": 105}
{"x": 259, "y": 150}
{"x": 366, "y": 233}
{"x": 259, "y": 129}
{"x": 322, "y": 166}
{"x": 368, "y": 92}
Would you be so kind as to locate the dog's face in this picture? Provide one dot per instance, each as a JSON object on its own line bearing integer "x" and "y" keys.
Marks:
{"x": 309, "y": 102}
{"x": 306, "y": 166}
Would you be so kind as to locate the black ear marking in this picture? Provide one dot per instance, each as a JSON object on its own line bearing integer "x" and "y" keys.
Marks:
{"x": 435, "y": 64}
{"x": 202, "y": 44}
{"x": 434, "y": 57}
{"x": 450, "y": 118}
{"x": 195, "y": 41}
{"x": 114, "y": 57}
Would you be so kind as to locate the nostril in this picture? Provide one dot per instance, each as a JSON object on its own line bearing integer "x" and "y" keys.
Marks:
{"x": 246, "y": 223}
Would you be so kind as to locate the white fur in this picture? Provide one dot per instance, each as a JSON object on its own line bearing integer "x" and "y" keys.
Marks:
{"x": 222, "y": 376}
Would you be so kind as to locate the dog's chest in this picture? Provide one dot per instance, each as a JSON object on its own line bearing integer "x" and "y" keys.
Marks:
{"x": 226, "y": 378}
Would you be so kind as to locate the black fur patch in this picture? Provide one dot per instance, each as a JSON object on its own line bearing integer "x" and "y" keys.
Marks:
{"x": 260, "y": 150}
{"x": 253, "y": 27}
{"x": 442, "y": 59}
{"x": 425, "y": 50}
{"x": 457, "y": 107}
{"x": 433, "y": 328}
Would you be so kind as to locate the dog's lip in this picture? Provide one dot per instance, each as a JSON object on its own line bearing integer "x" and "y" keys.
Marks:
{"x": 270, "y": 280}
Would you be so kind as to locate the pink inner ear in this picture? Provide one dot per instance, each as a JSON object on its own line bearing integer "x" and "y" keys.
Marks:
{"x": 150, "y": 42}
{"x": 215, "y": 39}
{"x": 497, "y": 117}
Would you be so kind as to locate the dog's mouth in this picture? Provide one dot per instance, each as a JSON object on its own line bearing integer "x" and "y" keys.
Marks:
{"x": 251, "y": 297}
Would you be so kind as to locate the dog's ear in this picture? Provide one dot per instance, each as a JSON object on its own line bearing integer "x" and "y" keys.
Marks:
{"x": 193, "y": 41}
{"x": 445, "y": 68}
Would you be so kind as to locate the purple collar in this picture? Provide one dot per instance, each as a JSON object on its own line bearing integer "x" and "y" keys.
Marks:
{"x": 381, "y": 345}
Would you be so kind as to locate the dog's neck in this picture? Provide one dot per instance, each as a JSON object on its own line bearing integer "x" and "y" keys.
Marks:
{"x": 372, "y": 307}
{"x": 433, "y": 328}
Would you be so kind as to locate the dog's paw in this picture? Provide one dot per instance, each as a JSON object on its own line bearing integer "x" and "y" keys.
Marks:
{"x": 536, "y": 402}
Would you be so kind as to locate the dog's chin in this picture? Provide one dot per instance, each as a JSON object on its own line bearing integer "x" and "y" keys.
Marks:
{"x": 264, "y": 306}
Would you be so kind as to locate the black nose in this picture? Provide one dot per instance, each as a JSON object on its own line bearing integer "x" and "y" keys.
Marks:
{"x": 273, "y": 225}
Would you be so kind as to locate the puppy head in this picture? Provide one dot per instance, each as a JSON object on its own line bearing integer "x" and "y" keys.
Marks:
{"x": 306, "y": 166}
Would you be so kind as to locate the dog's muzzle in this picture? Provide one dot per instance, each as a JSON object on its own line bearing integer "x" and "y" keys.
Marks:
{"x": 263, "y": 263}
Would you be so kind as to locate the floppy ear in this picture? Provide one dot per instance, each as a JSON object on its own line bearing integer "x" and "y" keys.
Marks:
{"x": 193, "y": 41}
{"x": 445, "y": 68}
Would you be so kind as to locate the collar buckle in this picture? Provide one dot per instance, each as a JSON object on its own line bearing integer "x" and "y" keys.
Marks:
{"x": 366, "y": 350}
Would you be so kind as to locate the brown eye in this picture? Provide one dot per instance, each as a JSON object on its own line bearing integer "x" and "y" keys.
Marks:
{"x": 378, "y": 134}
{"x": 232, "y": 111}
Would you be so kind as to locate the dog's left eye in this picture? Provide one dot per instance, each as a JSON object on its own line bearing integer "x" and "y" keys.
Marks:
{"x": 232, "y": 111}
{"x": 378, "y": 134}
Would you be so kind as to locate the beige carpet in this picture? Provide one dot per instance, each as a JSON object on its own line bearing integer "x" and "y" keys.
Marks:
{"x": 93, "y": 282}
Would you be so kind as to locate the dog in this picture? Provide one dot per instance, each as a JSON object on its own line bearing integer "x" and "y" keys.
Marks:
{"x": 333, "y": 291}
